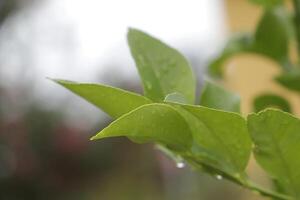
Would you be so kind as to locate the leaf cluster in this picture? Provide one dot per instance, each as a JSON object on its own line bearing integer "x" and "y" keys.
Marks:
{"x": 210, "y": 135}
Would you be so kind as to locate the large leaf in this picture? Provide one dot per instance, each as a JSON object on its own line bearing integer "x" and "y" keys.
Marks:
{"x": 276, "y": 136}
{"x": 214, "y": 96}
{"x": 163, "y": 70}
{"x": 271, "y": 100}
{"x": 113, "y": 101}
{"x": 151, "y": 123}
{"x": 290, "y": 80}
{"x": 221, "y": 139}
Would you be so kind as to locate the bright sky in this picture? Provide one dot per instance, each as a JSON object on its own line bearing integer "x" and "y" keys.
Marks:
{"x": 80, "y": 39}
{"x": 101, "y": 25}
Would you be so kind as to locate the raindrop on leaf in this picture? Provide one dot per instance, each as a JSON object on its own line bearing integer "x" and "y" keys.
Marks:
{"x": 180, "y": 165}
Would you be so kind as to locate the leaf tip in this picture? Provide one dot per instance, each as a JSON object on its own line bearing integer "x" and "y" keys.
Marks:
{"x": 53, "y": 79}
{"x": 61, "y": 81}
{"x": 98, "y": 136}
{"x": 93, "y": 138}
{"x": 131, "y": 31}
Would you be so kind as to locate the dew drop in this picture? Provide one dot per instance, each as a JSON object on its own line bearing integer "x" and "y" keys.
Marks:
{"x": 219, "y": 177}
{"x": 180, "y": 165}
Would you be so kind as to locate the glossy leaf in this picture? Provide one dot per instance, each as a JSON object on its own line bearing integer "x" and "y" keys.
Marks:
{"x": 271, "y": 100}
{"x": 151, "y": 123}
{"x": 221, "y": 139}
{"x": 290, "y": 80}
{"x": 214, "y": 96}
{"x": 276, "y": 138}
{"x": 113, "y": 101}
{"x": 163, "y": 70}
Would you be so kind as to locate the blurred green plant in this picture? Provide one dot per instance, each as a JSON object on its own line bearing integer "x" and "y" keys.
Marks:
{"x": 276, "y": 31}
{"x": 211, "y": 136}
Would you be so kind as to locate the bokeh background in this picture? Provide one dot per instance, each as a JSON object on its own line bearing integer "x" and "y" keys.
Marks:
{"x": 45, "y": 152}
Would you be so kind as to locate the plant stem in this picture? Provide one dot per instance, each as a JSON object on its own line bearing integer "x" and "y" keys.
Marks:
{"x": 244, "y": 182}
{"x": 265, "y": 192}
{"x": 297, "y": 23}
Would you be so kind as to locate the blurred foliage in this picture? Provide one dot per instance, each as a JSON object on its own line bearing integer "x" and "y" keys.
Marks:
{"x": 266, "y": 100}
{"x": 276, "y": 31}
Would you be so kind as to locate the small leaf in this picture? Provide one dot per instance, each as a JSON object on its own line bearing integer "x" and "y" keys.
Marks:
{"x": 221, "y": 139}
{"x": 163, "y": 70}
{"x": 290, "y": 80}
{"x": 271, "y": 100}
{"x": 113, "y": 101}
{"x": 151, "y": 123}
{"x": 214, "y": 96}
{"x": 276, "y": 138}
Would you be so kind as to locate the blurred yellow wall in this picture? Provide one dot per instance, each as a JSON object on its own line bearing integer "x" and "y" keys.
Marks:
{"x": 249, "y": 74}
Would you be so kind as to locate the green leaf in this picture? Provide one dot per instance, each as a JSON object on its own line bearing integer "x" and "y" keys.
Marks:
{"x": 151, "y": 123}
{"x": 271, "y": 100}
{"x": 290, "y": 80}
{"x": 214, "y": 96}
{"x": 276, "y": 138}
{"x": 163, "y": 70}
{"x": 272, "y": 35}
{"x": 221, "y": 139}
{"x": 268, "y": 3}
{"x": 113, "y": 101}
{"x": 237, "y": 44}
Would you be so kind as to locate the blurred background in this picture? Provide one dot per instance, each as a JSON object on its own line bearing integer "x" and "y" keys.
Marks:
{"x": 45, "y": 152}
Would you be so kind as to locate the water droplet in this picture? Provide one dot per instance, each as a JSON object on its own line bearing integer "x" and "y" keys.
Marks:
{"x": 219, "y": 177}
{"x": 180, "y": 165}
